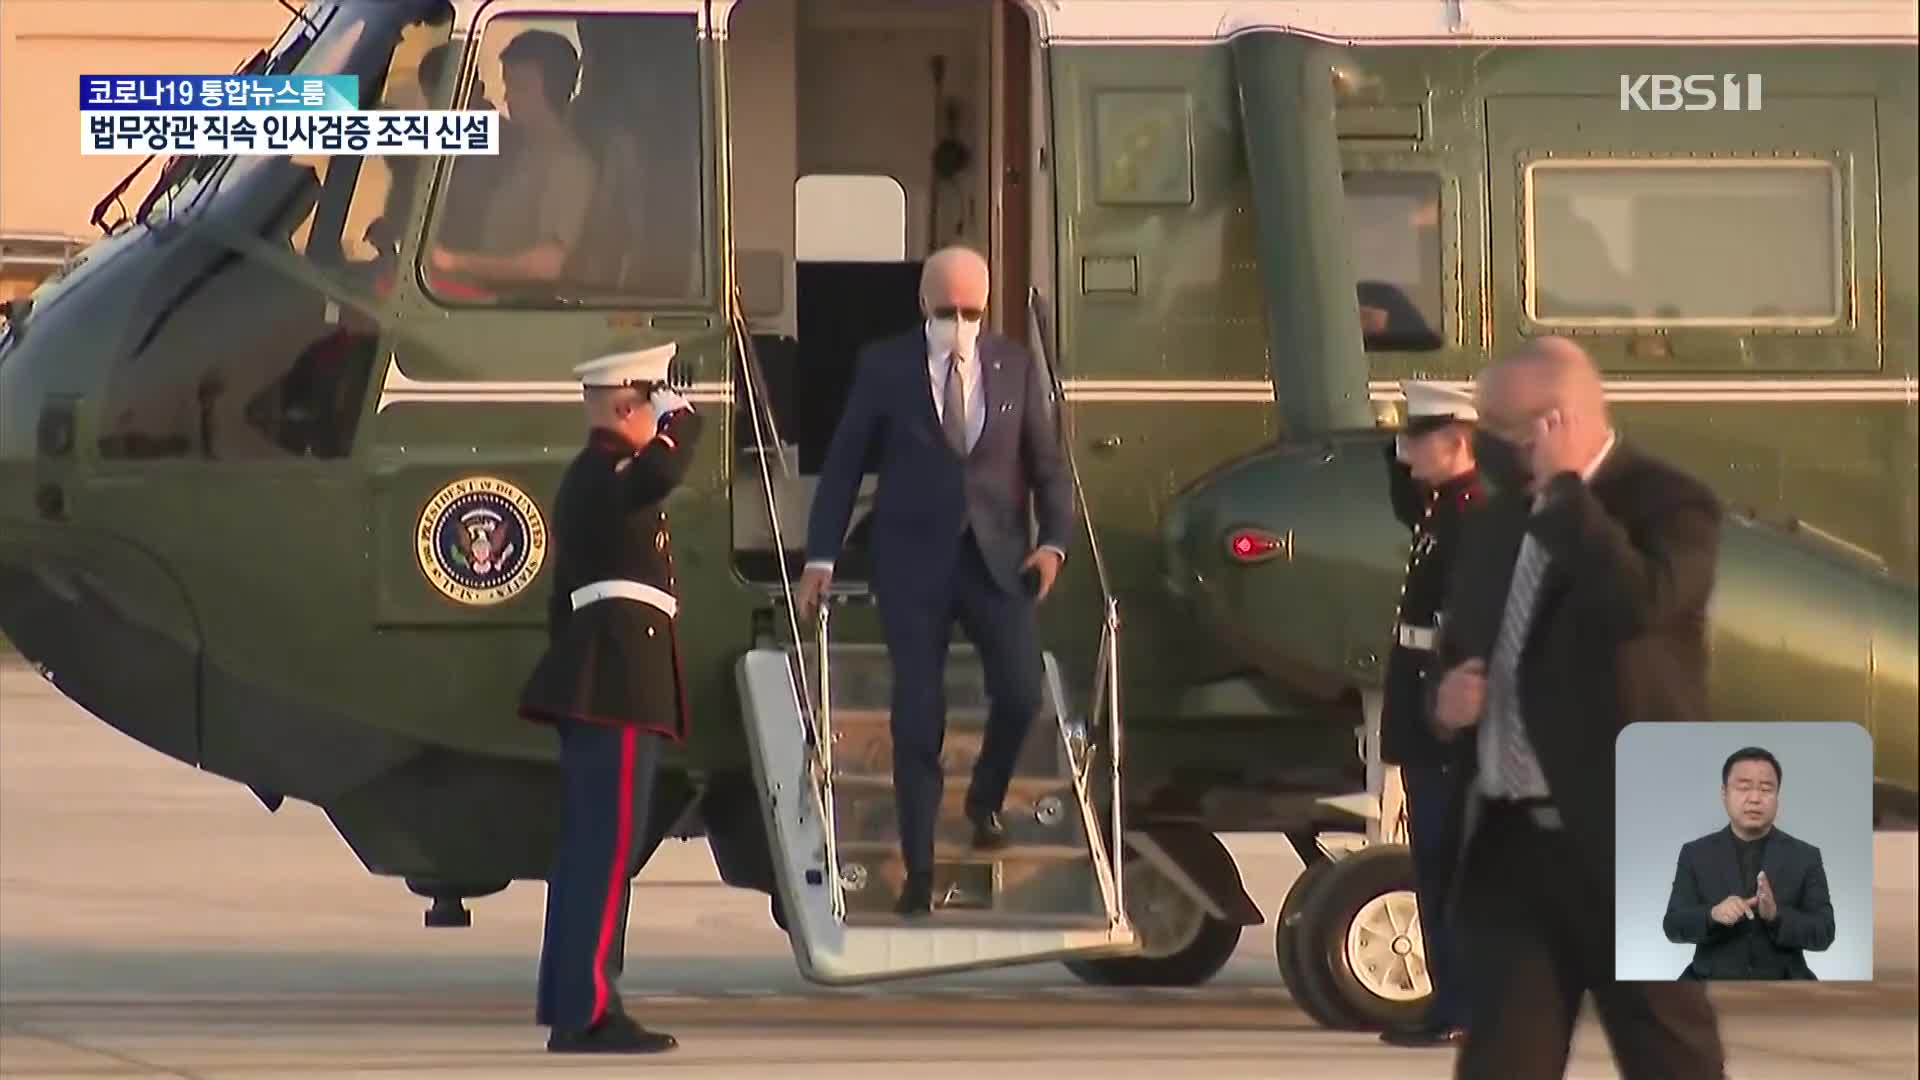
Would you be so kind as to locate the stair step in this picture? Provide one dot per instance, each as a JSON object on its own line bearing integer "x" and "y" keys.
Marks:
{"x": 863, "y": 745}
{"x": 862, "y": 675}
{"x": 1013, "y": 889}
{"x": 1023, "y": 792}
{"x": 955, "y": 919}
{"x": 867, "y": 851}
{"x": 1035, "y": 812}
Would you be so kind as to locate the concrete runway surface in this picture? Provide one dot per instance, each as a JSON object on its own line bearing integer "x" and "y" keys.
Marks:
{"x": 155, "y": 921}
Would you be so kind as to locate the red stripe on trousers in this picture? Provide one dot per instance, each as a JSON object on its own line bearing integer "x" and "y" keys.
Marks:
{"x": 623, "y": 837}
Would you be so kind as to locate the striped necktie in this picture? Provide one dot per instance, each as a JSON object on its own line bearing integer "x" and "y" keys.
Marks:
{"x": 1507, "y": 764}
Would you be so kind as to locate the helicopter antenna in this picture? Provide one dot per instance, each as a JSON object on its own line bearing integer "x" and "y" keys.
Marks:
{"x": 111, "y": 197}
{"x": 301, "y": 15}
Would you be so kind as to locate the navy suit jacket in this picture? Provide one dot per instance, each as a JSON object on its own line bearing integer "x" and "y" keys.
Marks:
{"x": 927, "y": 493}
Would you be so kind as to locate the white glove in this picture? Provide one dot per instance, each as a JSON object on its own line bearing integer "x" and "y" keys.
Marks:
{"x": 664, "y": 401}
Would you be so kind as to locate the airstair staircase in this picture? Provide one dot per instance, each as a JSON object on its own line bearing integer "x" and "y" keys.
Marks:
{"x": 817, "y": 717}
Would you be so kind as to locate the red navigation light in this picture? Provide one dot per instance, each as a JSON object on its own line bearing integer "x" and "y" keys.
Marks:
{"x": 1254, "y": 545}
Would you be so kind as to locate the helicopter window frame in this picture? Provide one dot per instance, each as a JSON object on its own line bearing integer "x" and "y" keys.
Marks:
{"x": 1429, "y": 245}
{"x": 1837, "y": 251}
{"x": 705, "y": 198}
{"x": 358, "y": 190}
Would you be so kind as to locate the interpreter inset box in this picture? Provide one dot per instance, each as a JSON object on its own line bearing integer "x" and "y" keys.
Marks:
{"x": 1743, "y": 851}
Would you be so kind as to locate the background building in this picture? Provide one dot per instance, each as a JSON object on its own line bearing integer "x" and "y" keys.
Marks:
{"x": 47, "y": 187}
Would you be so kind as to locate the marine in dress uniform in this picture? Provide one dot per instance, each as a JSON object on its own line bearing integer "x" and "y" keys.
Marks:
{"x": 1437, "y": 437}
{"x": 611, "y": 685}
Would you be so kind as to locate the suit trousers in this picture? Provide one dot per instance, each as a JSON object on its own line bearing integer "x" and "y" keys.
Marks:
{"x": 1538, "y": 932}
{"x": 605, "y": 835}
{"x": 918, "y": 623}
{"x": 1432, "y": 791}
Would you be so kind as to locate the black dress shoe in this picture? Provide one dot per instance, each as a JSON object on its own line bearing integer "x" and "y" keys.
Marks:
{"x": 916, "y": 896}
{"x": 989, "y": 834}
{"x": 1422, "y": 1035}
{"x": 615, "y": 1034}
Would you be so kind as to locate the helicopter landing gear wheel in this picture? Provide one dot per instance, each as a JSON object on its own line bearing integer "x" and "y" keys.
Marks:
{"x": 1286, "y": 937}
{"x": 1356, "y": 942}
{"x": 1180, "y": 943}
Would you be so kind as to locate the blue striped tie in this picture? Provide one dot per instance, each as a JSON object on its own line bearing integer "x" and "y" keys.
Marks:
{"x": 1514, "y": 770}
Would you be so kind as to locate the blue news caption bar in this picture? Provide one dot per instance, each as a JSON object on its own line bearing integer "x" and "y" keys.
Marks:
{"x": 279, "y": 134}
{"x": 194, "y": 93}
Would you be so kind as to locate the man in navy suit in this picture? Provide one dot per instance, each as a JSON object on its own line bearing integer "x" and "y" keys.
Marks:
{"x": 961, "y": 425}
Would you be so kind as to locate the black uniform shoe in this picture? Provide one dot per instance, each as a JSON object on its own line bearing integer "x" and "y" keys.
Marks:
{"x": 1423, "y": 1035}
{"x": 989, "y": 834}
{"x": 615, "y": 1034}
{"x": 916, "y": 896}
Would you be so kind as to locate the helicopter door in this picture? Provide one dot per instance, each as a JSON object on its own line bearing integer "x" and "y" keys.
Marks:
{"x": 816, "y": 705}
{"x": 592, "y": 231}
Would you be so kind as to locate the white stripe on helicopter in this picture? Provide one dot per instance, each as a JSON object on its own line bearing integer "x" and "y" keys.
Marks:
{"x": 1479, "y": 22}
{"x": 399, "y": 389}
{"x": 1620, "y": 390}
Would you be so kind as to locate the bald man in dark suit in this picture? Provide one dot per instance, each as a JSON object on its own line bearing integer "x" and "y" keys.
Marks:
{"x": 1579, "y": 606}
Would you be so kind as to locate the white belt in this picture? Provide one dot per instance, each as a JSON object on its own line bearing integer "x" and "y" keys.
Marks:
{"x": 625, "y": 590}
{"x": 1416, "y": 637}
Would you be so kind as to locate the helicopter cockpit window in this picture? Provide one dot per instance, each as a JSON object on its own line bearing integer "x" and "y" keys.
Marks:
{"x": 596, "y": 193}
{"x": 261, "y": 345}
{"x": 1393, "y": 223}
{"x": 355, "y": 228}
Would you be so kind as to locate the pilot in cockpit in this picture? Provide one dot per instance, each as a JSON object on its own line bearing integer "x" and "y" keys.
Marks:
{"x": 536, "y": 212}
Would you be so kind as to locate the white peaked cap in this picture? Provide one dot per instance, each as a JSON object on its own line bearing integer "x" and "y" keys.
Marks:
{"x": 625, "y": 368}
{"x": 1429, "y": 400}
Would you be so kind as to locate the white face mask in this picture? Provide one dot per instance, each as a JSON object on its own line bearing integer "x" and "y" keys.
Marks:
{"x": 953, "y": 335}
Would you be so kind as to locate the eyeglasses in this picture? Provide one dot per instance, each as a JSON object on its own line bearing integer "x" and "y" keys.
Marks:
{"x": 971, "y": 314}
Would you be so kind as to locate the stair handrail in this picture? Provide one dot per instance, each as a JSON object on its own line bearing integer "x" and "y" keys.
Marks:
{"x": 823, "y": 756}
{"x": 1106, "y": 677}
{"x": 758, "y": 403}
{"x": 816, "y": 767}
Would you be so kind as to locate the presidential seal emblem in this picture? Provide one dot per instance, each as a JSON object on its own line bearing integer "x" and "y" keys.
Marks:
{"x": 480, "y": 541}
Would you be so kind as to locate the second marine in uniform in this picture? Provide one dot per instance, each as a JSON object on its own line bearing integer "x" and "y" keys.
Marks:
{"x": 1433, "y": 482}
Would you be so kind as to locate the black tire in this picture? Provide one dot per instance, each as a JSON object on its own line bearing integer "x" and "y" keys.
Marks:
{"x": 1286, "y": 939}
{"x": 1206, "y": 950}
{"x": 1199, "y": 960}
{"x": 1328, "y": 976}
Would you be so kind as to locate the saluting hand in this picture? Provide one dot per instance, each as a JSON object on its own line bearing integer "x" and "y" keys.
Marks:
{"x": 1732, "y": 910}
{"x": 665, "y": 400}
{"x": 1462, "y": 695}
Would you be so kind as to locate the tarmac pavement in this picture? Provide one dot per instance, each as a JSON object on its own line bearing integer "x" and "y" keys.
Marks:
{"x": 157, "y": 921}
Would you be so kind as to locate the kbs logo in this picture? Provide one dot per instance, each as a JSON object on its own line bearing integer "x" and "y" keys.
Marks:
{"x": 1689, "y": 93}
